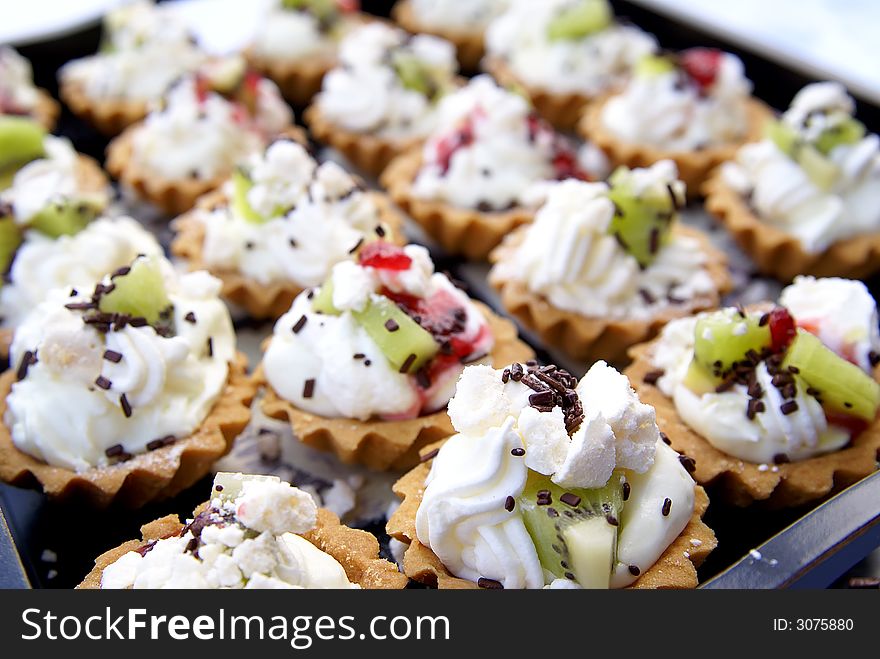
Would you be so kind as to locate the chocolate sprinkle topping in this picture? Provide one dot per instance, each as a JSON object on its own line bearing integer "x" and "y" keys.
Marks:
{"x": 114, "y": 451}
{"x": 113, "y": 356}
{"x": 309, "y": 388}
{"x": 518, "y": 452}
{"x": 634, "y": 570}
{"x": 651, "y": 377}
{"x": 190, "y": 317}
{"x": 788, "y": 407}
{"x": 28, "y": 359}
{"x": 509, "y": 504}
{"x": 667, "y": 506}
{"x": 210, "y": 347}
{"x": 125, "y": 405}
{"x": 103, "y": 383}
{"x": 627, "y": 488}
{"x": 404, "y": 368}
{"x": 300, "y": 324}
{"x": 874, "y": 358}
{"x": 570, "y": 499}
{"x": 665, "y": 439}
{"x": 380, "y": 231}
{"x": 780, "y": 459}
{"x": 430, "y": 455}
{"x": 490, "y": 584}
{"x": 688, "y": 463}
{"x": 391, "y": 325}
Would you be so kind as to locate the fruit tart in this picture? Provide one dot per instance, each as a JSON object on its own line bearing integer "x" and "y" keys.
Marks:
{"x": 365, "y": 364}
{"x": 604, "y": 266}
{"x": 145, "y": 47}
{"x": 49, "y": 195}
{"x": 256, "y": 532}
{"x": 468, "y": 185}
{"x": 551, "y": 482}
{"x": 279, "y": 225}
{"x": 190, "y": 143}
{"x": 694, "y": 107}
{"x": 123, "y": 393}
{"x": 297, "y": 43}
{"x": 776, "y": 403}
{"x": 18, "y": 94}
{"x": 804, "y": 199}
{"x": 564, "y": 53}
{"x": 462, "y": 23}
{"x": 382, "y": 97}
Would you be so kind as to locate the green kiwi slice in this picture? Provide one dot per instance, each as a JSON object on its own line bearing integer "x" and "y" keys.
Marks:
{"x": 140, "y": 292}
{"x": 580, "y": 20}
{"x": 10, "y": 239}
{"x": 65, "y": 218}
{"x": 21, "y": 140}
{"x": 405, "y": 343}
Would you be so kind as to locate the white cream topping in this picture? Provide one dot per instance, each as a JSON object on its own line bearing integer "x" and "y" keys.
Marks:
{"x": 470, "y": 17}
{"x": 785, "y": 196}
{"x": 658, "y": 110}
{"x": 253, "y": 542}
{"x": 17, "y": 91}
{"x": 50, "y": 179}
{"x": 462, "y": 516}
{"x": 569, "y": 257}
{"x": 43, "y": 263}
{"x": 147, "y": 47}
{"x": 58, "y": 414}
{"x": 324, "y": 349}
{"x": 205, "y": 139}
{"x": 590, "y": 65}
{"x": 315, "y": 214}
{"x": 507, "y": 150}
{"x": 290, "y": 34}
{"x": 365, "y": 94}
{"x": 843, "y": 315}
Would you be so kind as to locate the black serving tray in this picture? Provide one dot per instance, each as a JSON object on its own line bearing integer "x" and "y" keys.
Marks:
{"x": 55, "y": 545}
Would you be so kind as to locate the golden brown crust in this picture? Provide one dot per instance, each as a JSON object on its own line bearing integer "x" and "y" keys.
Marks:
{"x": 744, "y": 483}
{"x": 259, "y": 300}
{"x": 676, "y": 567}
{"x": 780, "y": 254}
{"x": 563, "y": 110}
{"x": 109, "y": 115}
{"x": 590, "y": 338}
{"x": 144, "y": 478}
{"x": 384, "y": 445}
{"x": 357, "y": 551}
{"x": 468, "y": 46}
{"x": 46, "y": 110}
{"x": 471, "y": 233}
{"x": 693, "y": 166}
{"x": 173, "y": 196}
{"x": 369, "y": 153}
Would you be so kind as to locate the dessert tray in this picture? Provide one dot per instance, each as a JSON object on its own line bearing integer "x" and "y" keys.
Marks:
{"x": 43, "y": 546}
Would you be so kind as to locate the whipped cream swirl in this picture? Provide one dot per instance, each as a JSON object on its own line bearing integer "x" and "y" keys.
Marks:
{"x": 87, "y": 397}
{"x": 314, "y": 215}
{"x": 569, "y": 257}
{"x": 470, "y": 17}
{"x": 365, "y": 94}
{"x": 658, "y": 109}
{"x": 490, "y": 147}
{"x": 294, "y": 34}
{"x": 783, "y": 193}
{"x": 250, "y": 539}
{"x": 591, "y": 65}
{"x": 464, "y": 517}
{"x": 350, "y": 376}
{"x": 18, "y": 95}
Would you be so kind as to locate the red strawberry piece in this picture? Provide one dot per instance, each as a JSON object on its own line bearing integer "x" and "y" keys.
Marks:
{"x": 348, "y": 6}
{"x": 384, "y": 256}
{"x": 853, "y": 425}
{"x": 203, "y": 86}
{"x": 702, "y": 65}
{"x": 782, "y": 329}
{"x": 448, "y": 145}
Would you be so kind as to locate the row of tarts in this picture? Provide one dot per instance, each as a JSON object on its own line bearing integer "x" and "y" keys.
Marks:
{"x": 125, "y": 385}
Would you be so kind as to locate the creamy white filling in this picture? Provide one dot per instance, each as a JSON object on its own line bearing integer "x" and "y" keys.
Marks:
{"x": 659, "y": 111}
{"x": 843, "y": 315}
{"x": 43, "y": 263}
{"x": 291, "y": 35}
{"x": 241, "y": 551}
{"x": 316, "y": 216}
{"x": 52, "y": 178}
{"x": 324, "y": 349}
{"x": 188, "y": 138}
{"x": 463, "y": 518}
{"x": 59, "y": 415}
{"x": 471, "y": 17}
{"x": 505, "y": 157}
{"x": 782, "y": 192}
{"x": 590, "y": 65}
{"x": 17, "y": 90}
{"x": 569, "y": 257}
{"x": 364, "y": 94}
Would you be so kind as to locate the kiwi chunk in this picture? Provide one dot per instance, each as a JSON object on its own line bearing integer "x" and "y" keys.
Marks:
{"x": 848, "y": 131}
{"x": 416, "y": 75}
{"x": 139, "y": 293}
{"x": 820, "y": 169}
{"x": 241, "y": 185}
{"x": 812, "y": 157}
{"x": 575, "y": 534}
{"x": 10, "y": 239}
{"x": 21, "y": 140}
{"x": 323, "y": 301}
{"x": 228, "y": 485}
{"x": 66, "y": 218}
{"x": 642, "y": 222}
{"x": 580, "y": 20}
{"x": 843, "y": 387}
{"x": 725, "y": 337}
{"x": 782, "y": 135}
{"x": 405, "y": 343}
{"x": 650, "y": 66}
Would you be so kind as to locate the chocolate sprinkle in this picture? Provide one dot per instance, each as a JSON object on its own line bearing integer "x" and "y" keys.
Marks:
{"x": 509, "y": 504}
{"x": 113, "y": 356}
{"x": 300, "y": 324}
{"x": 634, "y": 570}
{"x": 627, "y": 488}
{"x": 874, "y": 358}
{"x": 103, "y": 383}
{"x": 356, "y": 246}
{"x": 430, "y": 455}
{"x": 309, "y": 388}
{"x": 665, "y": 439}
{"x": 570, "y": 499}
{"x": 688, "y": 463}
{"x": 788, "y": 407}
{"x": 392, "y": 326}
{"x": 114, "y": 451}
{"x": 125, "y": 405}
{"x": 380, "y": 231}
{"x": 423, "y": 379}
{"x": 404, "y": 368}
{"x": 651, "y": 377}
{"x": 190, "y": 317}
{"x": 667, "y": 506}
{"x": 612, "y": 520}
{"x": 780, "y": 459}
{"x": 490, "y": 584}
{"x": 518, "y": 452}
{"x": 28, "y": 359}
